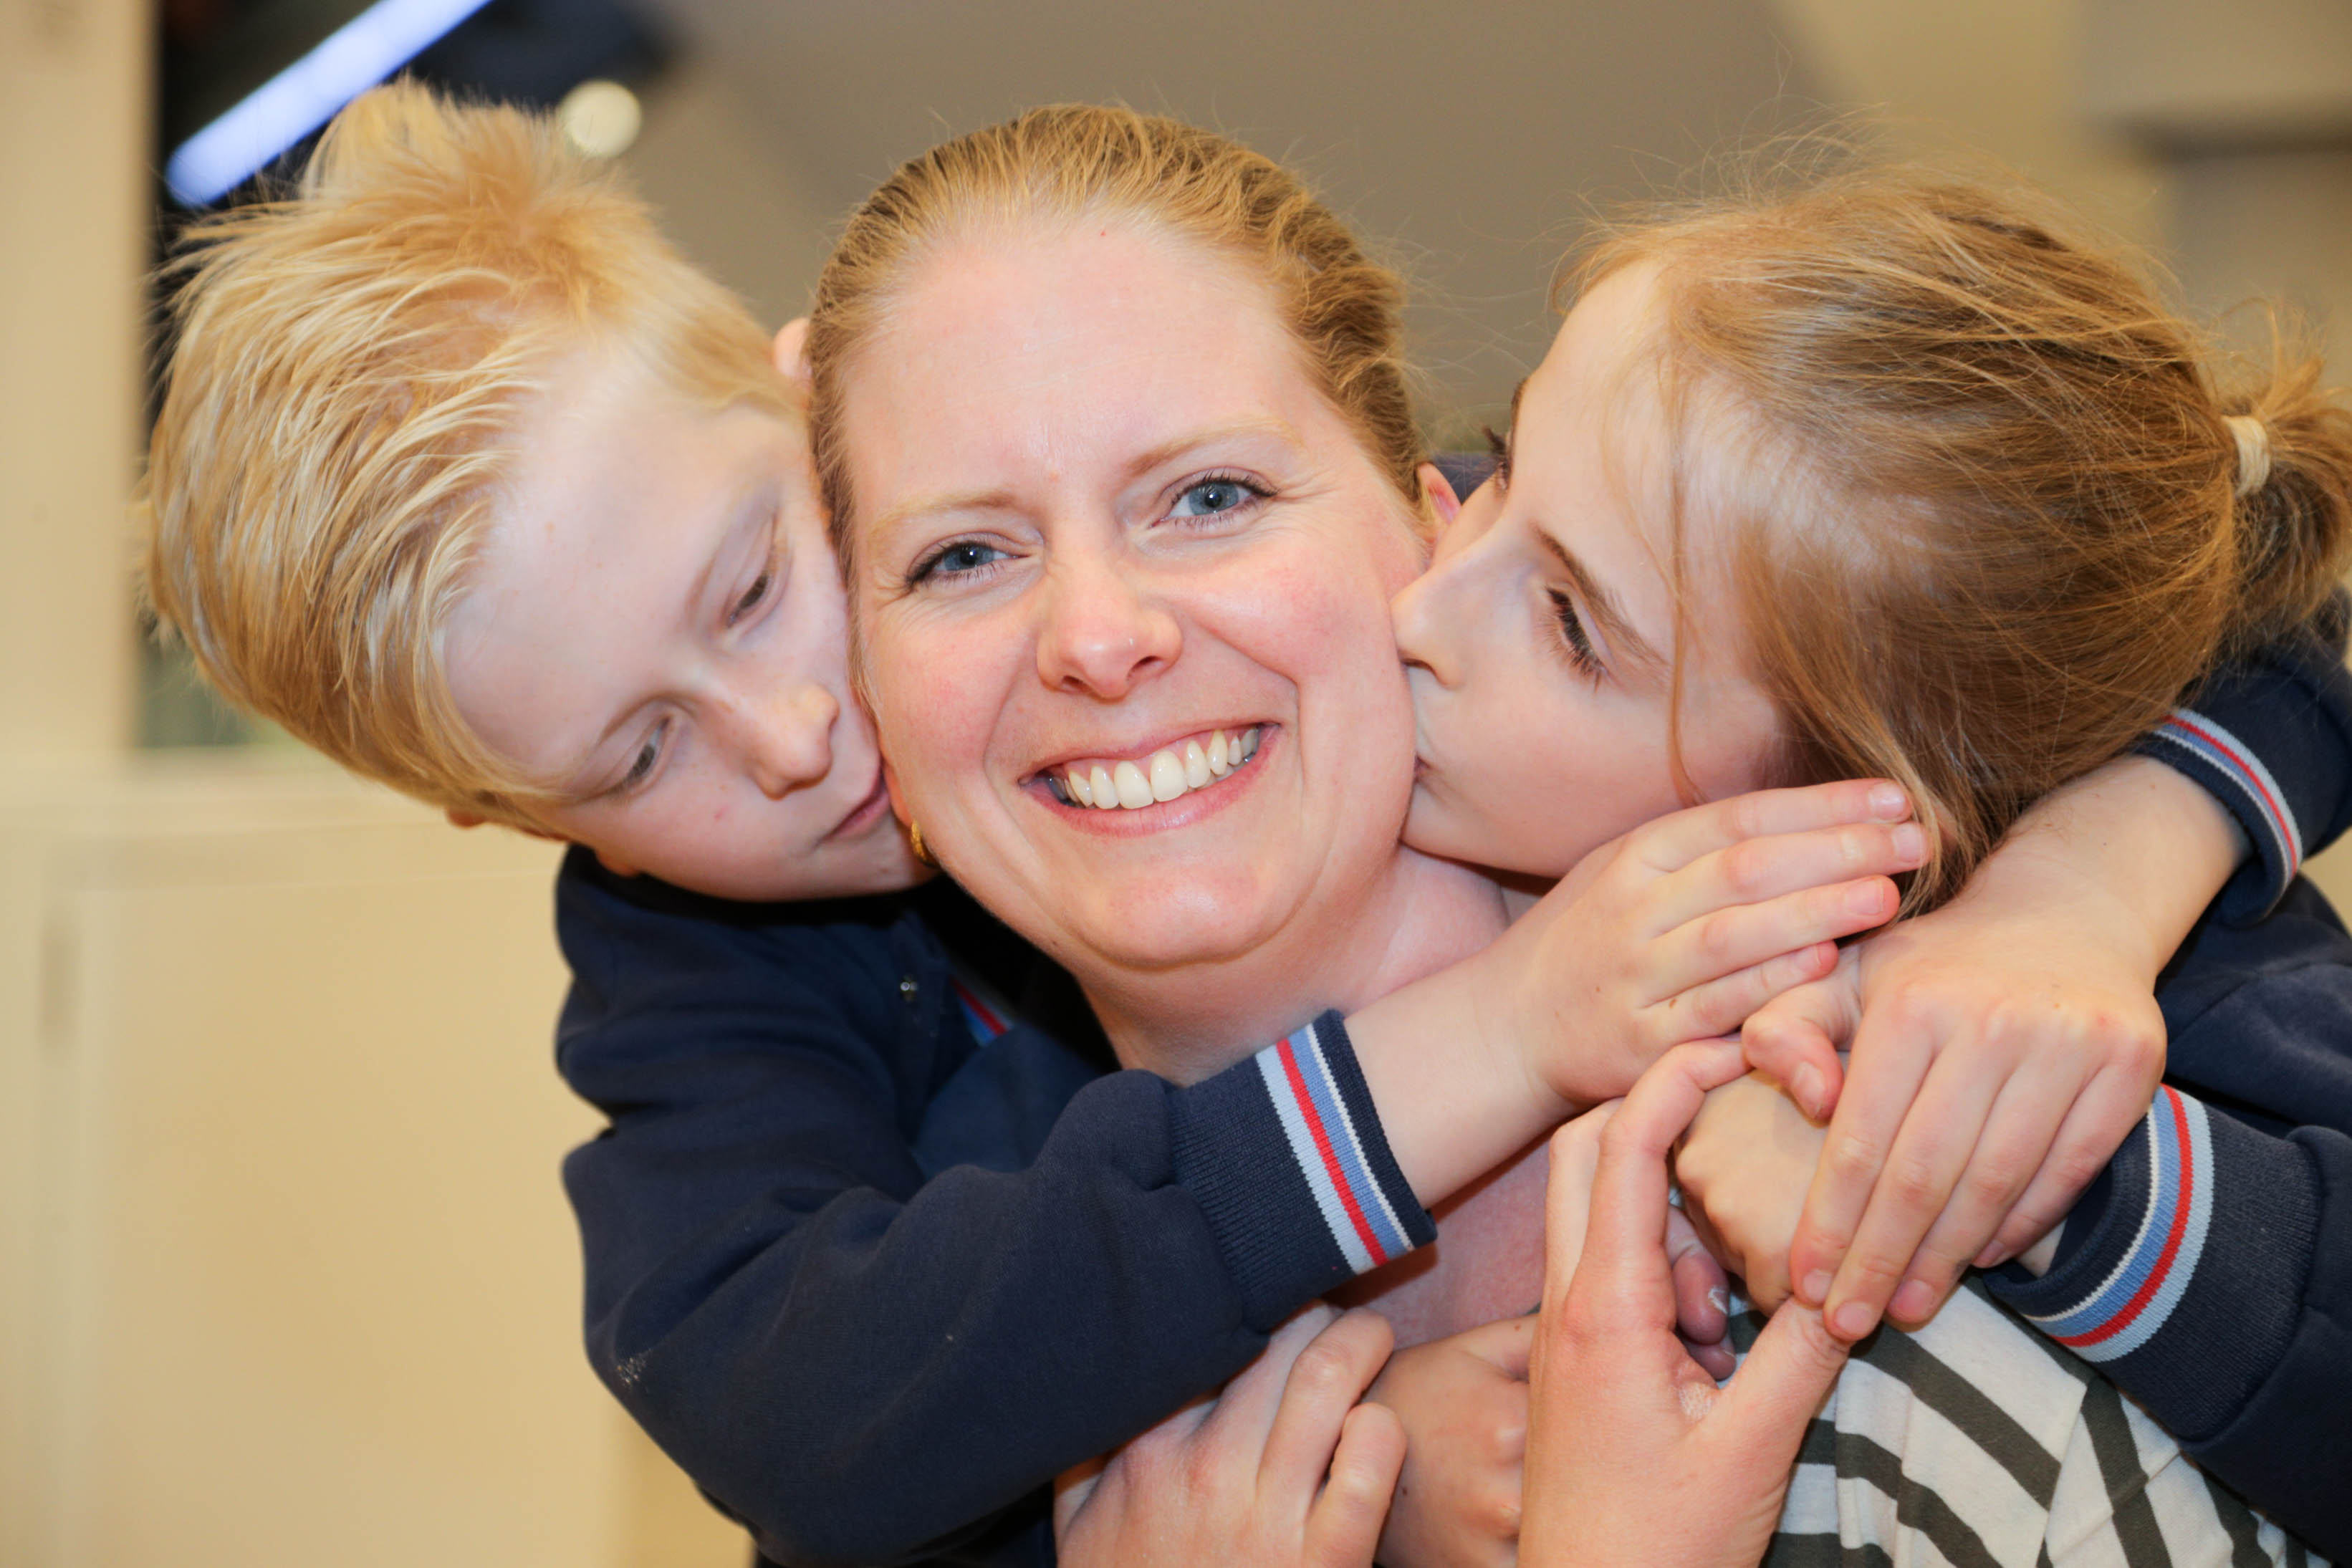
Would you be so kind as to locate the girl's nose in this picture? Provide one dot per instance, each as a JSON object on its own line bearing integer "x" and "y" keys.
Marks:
{"x": 1425, "y": 628}
{"x": 786, "y": 740}
{"x": 1101, "y": 635}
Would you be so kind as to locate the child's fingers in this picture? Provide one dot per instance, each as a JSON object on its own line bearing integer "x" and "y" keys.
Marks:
{"x": 1679, "y": 838}
{"x": 1325, "y": 1381}
{"x": 1244, "y": 1414}
{"x": 1726, "y": 941}
{"x": 1794, "y": 1038}
{"x": 1721, "y": 1007}
{"x": 1344, "y": 1529}
{"x": 2101, "y": 1118}
{"x": 1754, "y": 870}
{"x": 1889, "y": 1063}
{"x": 2019, "y": 1132}
{"x": 1933, "y": 1145}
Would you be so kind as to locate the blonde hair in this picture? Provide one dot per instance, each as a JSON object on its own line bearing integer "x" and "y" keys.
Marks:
{"x": 1071, "y": 163}
{"x": 350, "y": 365}
{"x": 1979, "y": 485}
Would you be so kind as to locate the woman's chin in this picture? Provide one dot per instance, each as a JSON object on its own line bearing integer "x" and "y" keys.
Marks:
{"x": 1168, "y": 922}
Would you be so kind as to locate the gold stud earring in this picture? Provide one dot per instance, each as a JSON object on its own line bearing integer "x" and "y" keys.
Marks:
{"x": 915, "y": 838}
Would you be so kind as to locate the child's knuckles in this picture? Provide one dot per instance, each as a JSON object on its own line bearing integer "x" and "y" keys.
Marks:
{"x": 1747, "y": 869}
{"x": 1913, "y": 1186}
{"x": 1852, "y": 1159}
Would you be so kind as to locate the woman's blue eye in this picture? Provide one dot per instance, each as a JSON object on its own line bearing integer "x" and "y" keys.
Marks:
{"x": 1211, "y": 497}
{"x": 956, "y": 559}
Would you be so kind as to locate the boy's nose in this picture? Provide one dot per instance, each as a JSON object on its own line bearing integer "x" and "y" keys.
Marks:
{"x": 1101, "y": 635}
{"x": 787, "y": 739}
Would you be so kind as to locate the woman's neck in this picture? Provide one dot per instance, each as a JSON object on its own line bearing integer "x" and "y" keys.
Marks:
{"x": 1418, "y": 916}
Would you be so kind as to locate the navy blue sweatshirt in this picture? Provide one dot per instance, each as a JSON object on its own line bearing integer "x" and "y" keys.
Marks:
{"x": 873, "y": 1259}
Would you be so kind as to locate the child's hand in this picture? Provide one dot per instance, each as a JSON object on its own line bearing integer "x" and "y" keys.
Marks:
{"x": 1745, "y": 1168}
{"x": 1998, "y": 1064}
{"x": 1683, "y": 926}
{"x": 1284, "y": 1469}
{"x": 1462, "y": 1403}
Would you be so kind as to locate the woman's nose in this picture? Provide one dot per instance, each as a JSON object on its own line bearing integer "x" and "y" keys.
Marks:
{"x": 785, "y": 738}
{"x": 1101, "y": 635}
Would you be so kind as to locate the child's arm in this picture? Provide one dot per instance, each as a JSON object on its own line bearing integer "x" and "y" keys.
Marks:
{"x": 2038, "y": 977}
{"x": 861, "y": 1362}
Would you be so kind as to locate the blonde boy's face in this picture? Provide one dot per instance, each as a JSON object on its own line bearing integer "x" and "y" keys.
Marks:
{"x": 1541, "y": 643}
{"x": 656, "y": 624}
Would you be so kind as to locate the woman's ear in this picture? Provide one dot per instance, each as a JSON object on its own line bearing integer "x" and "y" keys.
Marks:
{"x": 1439, "y": 491}
{"x": 791, "y": 351}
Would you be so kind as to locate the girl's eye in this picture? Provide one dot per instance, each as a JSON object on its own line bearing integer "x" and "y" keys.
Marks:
{"x": 961, "y": 559}
{"x": 1210, "y": 498}
{"x": 752, "y": 596}
{"x": 1501, "y": 451}
{"x": 1575, "y": 645}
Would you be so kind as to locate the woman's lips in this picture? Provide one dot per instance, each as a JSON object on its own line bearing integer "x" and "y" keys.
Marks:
{"x": 1195, "y": 763}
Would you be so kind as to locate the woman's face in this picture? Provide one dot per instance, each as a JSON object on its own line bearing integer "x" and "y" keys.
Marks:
{"x": 1105, "y": 518}
{"x": 1541, "y": 643}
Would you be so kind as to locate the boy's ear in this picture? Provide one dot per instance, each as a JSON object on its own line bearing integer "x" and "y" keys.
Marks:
{"x": 1439, "y": 491}
{"x": 791, "y": 351}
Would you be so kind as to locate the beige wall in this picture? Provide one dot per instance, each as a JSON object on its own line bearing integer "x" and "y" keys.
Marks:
{"x": 73, "y": 146}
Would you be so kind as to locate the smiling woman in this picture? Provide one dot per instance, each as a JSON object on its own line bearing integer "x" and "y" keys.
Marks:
{"x": 1124, "y": 469}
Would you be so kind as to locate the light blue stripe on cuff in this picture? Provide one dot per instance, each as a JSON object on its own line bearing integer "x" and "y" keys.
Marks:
{"x": 1309, "y": 1159}
{"x": 1349, "y": 1144}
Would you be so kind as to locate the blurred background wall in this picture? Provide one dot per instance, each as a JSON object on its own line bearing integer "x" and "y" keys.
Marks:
{"x": 285, "y": 1272}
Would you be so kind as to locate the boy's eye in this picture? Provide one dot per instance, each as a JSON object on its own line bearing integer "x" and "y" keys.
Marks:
{"x": 960, "y": 559}
{"x": 642, "y": 766}
{"x": 752, "y": 596}
{"x": 1209, "y": 497}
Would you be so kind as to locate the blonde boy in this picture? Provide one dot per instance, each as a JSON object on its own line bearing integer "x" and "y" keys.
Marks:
{"x": 464, "y": 476}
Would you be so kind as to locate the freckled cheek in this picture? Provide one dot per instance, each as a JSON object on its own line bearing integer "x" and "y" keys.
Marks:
{"x": 936, "y": 708}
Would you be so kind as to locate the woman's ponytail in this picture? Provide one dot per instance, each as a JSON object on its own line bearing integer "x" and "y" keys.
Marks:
{"x": 2288, "y": 448}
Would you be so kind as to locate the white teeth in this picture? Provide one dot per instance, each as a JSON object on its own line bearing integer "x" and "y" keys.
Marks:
{"x": 1167, "y": 776}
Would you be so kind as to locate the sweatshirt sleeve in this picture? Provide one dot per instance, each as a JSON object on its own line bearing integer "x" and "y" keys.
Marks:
{"x": 2271, "y": 738}
{"x": 2208, "y": 1273}
{"x": 866, "y": 1364}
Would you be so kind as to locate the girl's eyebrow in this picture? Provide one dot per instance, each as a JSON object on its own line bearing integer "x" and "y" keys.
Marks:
{"x": 1606, "y": 608}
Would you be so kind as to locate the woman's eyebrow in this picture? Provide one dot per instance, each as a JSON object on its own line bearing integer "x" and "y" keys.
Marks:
{"x": 1605, "y": 606}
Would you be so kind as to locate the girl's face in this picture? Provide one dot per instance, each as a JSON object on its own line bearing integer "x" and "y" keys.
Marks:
{"x": 1541, "y": 644}
{"x": 1107, "y": 525}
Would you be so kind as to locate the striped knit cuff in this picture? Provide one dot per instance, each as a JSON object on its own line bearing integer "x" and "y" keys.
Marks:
{"x": 2186, "y": 1284}
{"x": 1285, "y": 1156}
{"x": 2199, "y": 747}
